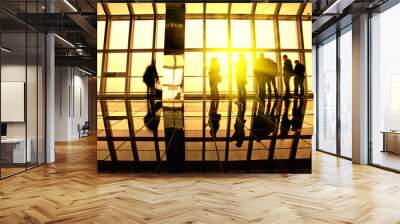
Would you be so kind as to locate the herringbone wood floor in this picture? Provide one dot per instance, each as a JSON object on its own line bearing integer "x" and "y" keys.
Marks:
{"x": 71, "y": 191}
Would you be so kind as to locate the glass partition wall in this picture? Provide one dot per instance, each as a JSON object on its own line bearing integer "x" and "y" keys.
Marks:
{"x": 385, "y": 90}
{"x": 327, "y": 79}
{"x": 22, "y": 88}
{"x": 334, "y": 85}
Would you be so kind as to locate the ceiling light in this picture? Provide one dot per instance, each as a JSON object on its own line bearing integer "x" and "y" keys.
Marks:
{"x": 64, "y": 40}
{"x": 70, "y": 5}
{"x": 5, "y": 49}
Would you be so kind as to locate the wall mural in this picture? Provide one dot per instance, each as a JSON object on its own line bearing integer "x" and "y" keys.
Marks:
{"x": 211, "y": 87}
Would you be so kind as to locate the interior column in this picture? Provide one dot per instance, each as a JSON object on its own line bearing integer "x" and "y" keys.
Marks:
{"x": 360, "y": 90}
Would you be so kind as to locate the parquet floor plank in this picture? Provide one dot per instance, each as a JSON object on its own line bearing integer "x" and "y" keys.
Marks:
{"x": 71, "y": 191}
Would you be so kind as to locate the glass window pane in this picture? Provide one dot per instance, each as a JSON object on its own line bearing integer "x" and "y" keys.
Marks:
{"x": 115, "y": 85}
{"x": 193, "y": 66}
{"x": 119, "y": 35}
{"x": 193, "y": 84}
{"x": 241, "y": 8}
{"x": 241, "y": 34}
{"x": 307, "y": 34}
{"x": 194, "y": 8}
{"x": 194, "y": 33}
{"x": 100, "y": 10}
{"x": 116, "y": 62}
{"x": 99, "y": 63}
{"x": 137, "y": 85}
{"x": 160, "y": 64}
{"x": 160, "y": 33}
{"x": 308, "y": 10}
{"x": 265, "y": 34}
{"x": 140, "y": 61}
{"x": 346, "y": 94}
{"x": 308, "y": 64}
{"x": 160, "y": 8}
{"x": 98, "y": 85}
{"x": 217, "y": 8}
{"x": 118, "y": 8}
{"x": 289, "y": 9}
{"x": 142, "y": 8}
{"x": 216, "y": 33}
{"x": 288, "y": 34}
{"x": 385, "y": 87}
{"x": 143, "y": 34}
{"x": 265, "y": 8}
{"x": 101, "y": 26}
{"x": 17, "y": 76}
{"x": 327, "y": 96}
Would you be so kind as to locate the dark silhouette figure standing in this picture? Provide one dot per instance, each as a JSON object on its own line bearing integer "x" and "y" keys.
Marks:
{"x": 264, "y": 122}
{"x": 150, "y": 78}
{"x": 152, "y": 117}
{"x": 214, "y": 118}
{"x": 287, "y": 73}
{"x": 259, "y": 72}
{"x": 298, "y": 115}
{"x": 285, "y": 122}
{"x": 271, "y": 71}
{"x": 241, "y": 68}
{"x": 214, "y": 78}
{"x": 239, "y": 125}
{"x": 299, "y": 70}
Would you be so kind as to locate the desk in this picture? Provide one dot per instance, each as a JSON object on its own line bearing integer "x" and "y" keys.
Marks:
{"x": 13, "y": 150}
{"x": 391, "y": 141}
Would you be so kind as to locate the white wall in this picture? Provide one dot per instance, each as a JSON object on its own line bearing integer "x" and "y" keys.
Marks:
{"x": 71, "y": 102}
{"x": 14, "y": 73}
{"x": 33, "y": 126}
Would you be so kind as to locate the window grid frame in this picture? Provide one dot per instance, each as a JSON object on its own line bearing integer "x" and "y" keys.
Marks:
{"x": 104, "y": 97}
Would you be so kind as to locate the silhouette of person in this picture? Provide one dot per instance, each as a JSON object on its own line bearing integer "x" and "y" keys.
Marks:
{"x": 150, "y": 77}
{"x": 259, "y": 72}
{"x": 258, "y": 122}
{"x": 214, "y": 117}
{"x": 271, "y": 72}
{"x": 241, "y": 68}
{"x": 152, "y": 117}
{"x": 263, "y": 122}
{"x": 214, "y": 77}
{"x": 297, "y": 113}
{"x": 299, "y": 70}
{"x": 287, "y": 73}
{"x": 152, "y": 120}
{"x": 270, "y": 116}
{"x": 285, "y": 122}
{"x": 239, "y": 125}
